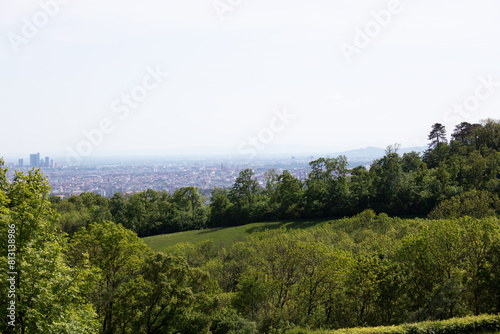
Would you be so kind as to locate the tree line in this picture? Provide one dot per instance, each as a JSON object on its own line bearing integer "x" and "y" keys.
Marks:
{"x": 450, "y": 178}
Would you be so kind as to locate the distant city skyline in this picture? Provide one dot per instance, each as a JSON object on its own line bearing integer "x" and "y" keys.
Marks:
{"x": 369, "y": 152}
{"x": 130, "y": 177}
{"x": 35, "y": 160}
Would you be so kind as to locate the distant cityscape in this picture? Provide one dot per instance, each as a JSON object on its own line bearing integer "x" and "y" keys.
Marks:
{"x": 128, "y": 178}
{"x": 125, "y": 176}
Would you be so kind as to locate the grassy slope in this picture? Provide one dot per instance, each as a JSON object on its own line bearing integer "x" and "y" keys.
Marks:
{"x": 225, "y": 236}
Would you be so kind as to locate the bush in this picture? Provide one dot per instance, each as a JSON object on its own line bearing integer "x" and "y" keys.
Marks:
{"x": 228, "y": 322}
{"x": 467, "y": 325}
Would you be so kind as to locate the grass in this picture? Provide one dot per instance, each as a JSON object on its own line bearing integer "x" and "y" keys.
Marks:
{"x": 225, "y": 236}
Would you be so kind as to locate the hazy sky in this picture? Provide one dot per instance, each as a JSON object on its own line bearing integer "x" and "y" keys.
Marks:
{"x": 232, "y": 64}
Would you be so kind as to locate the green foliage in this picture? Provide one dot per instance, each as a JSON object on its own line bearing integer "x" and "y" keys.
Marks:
{"x": 228, "y": 322}
{"x": 367, "y": 270}
{"x": 172, "y": 297}
{"x": 49, "y": 294}
{"x": 117, "y": 255}
{"x": 327, "y": 191}
{"x": 466, "y": 325}
{"x": 139, "y": 291}
{"x": 474, "y": 203}
{"x": 146, "y": 213}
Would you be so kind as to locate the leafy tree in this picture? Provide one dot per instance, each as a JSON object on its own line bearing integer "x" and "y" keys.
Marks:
{"x": 49, "y": 295}
{"x": 387, "y": 177}
{"x": 363, "y": 281}
{"x": 464, "y": 133}
{"x": 412, "y": 162}
{"x": 434, "y": 277}
{"x": 220, "y": 208}
{"x": 327, "y": 192}
{"x": 118, "y": 256}
{"x": 137, "y": 209}
{"x": 243, "y": 194}
{"x": 189, "y": 212}
{"x": 488, "y": 134}
{"x": 289, "y": 195}
{"x": 187, "y": 199}
{"x": 251, "y": 294}
{"x": 479, "y": 238}
{"x": 475, "y": 171}
{"x": 490, "y": 277}
{"x": 118, "y": 205}
{"x": 389, "y": 302}
{"x": 170, "y": 296}
{"x": 361, "y": 189}
{"x": 245, "y": 188}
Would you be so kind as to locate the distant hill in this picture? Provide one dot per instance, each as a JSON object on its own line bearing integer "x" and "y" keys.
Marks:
{"x": 375, "y": 152}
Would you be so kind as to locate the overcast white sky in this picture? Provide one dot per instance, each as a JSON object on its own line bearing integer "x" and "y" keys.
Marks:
{"x": 227, "y": 76}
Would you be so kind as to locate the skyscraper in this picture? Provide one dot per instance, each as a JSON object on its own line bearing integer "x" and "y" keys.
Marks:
{"x": 34, "y": 160}
{"x": 21, "y": 163}
{"x": 47, "y": 162}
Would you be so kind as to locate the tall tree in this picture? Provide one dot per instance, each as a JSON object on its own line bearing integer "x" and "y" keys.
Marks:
{"x": 289, "y": 194}
{"x": 437, "y": 137}
{"x": 243, "y": 194}
{"x": 327, "y": 192}
{"x": 387, "y": 175}
{"x": 245, "y": 188}
{"x": 220, "y": 208}
{"x": 462, "y": 133}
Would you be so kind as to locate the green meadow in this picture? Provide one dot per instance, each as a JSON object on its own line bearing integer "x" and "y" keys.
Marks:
{"x": 225, "y": 236}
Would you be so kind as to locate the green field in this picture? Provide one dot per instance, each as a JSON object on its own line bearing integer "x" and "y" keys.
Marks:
{"x": 226, "y": 236}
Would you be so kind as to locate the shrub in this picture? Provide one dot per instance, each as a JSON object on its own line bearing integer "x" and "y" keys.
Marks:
{"x": 467, "y": 325}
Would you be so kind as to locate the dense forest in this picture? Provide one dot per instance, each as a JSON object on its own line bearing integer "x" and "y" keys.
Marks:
{"x": 452, "y": 178}
{"x": 81, "y": 267}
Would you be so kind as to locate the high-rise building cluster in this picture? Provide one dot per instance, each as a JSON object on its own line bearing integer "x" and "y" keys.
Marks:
{"x": 37, "y": 161}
